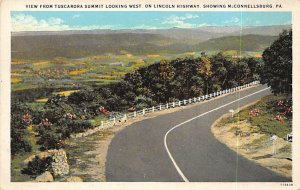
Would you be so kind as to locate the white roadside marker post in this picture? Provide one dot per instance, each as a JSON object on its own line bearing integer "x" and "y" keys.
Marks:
{"x": 231, "y": 111}
{"x": 125, "y": 117}
{"x": 273, "y": 139}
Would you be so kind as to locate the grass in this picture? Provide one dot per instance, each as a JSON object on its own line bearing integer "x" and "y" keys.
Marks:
{"x": 16, "y": 175}
{"x": 286, "y": 148}
{"x": 265, "y": 121}
{"x": 260, "y": 141}
{"x": 79, "y": 72}
{"x": 36, "y": 105}
{"x": 22, "y": 86}
{"x": 96, "y": 121}
{"x": 80, "y": 162}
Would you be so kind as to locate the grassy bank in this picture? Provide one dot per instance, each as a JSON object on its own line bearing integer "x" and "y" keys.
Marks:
{"x": 252, "y": 128}
{"x": 263, "y": 116}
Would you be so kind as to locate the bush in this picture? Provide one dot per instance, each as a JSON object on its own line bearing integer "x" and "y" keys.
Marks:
{"x": 265, "y": 120}
{"x": 37, "y": 166}
{"x": 51, "y": 141}
{"x": 52, "y": 136}
{"x": 20, "y": 119}
{"x": 18, "y": 144}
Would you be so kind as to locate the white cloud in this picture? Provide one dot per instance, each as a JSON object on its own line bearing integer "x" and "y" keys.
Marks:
{"x": 180, "y": 21}
{"x": 75, "y": 16}
{"x": 232, "y": 20}
{"x": 23, "y": 22}
{"x": 189, "y": 16}
{"x": 143, "y": 26}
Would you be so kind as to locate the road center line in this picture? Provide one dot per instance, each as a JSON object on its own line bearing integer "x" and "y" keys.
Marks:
{"x": 166, "y": 135}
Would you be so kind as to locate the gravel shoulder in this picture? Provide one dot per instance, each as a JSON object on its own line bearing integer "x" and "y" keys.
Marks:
{"x": 255, "y": 146}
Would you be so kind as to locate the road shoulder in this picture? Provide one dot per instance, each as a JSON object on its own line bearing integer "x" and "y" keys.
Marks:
{"x": 245, "y": 139}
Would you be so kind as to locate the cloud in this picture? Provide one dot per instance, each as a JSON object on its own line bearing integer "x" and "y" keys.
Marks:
{"x": 143, "y": 26}
{"x": 23, "y": 22}
{"x": 232, "y": 20}
{"x": 75, "y": 16}
{"x": 180, "y": 21}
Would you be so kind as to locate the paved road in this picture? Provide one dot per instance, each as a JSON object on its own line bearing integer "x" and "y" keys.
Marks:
{"x": 138, "y": 152}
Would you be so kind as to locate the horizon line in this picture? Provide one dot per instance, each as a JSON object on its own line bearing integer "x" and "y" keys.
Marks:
{"x": 112, "y": 29}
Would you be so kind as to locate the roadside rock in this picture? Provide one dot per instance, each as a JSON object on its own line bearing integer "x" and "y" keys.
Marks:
{"x": 60, "y": 166}
{"x": 45, "y": 177}
{"x": 74, "y": 179}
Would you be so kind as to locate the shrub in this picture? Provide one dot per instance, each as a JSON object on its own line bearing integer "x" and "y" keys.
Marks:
{"x": 51, "y": 141}
{"x": 37, "y": 166}
{"x": 18, "y": 144}
{"x": 20, "y": 118}
{"x": 52, "y": 136}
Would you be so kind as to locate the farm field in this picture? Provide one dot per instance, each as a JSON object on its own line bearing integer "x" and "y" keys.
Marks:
{"x": 87, "y": 71}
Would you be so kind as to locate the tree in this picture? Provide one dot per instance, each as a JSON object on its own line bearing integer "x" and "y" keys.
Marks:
{"x": 277, "y": 72}
{"x": 243, "y": 72}
{"x": 220, "y": 73}
{"x": 166, "y": 71}
{"x": 205, "y": 69}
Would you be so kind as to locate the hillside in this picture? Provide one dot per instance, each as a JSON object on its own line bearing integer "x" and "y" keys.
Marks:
{"x": 82, "y": 45}
{"x": 245, "y": 43}
{"x": 78, "y": 44}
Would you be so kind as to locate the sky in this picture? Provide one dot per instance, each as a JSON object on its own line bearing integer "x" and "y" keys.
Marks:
{"x": 90, "y": 20}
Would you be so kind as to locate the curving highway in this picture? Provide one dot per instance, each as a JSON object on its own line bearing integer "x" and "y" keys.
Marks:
{"x": 179, "y": 147}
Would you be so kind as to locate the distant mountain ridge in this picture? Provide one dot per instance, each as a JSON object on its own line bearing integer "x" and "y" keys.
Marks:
{"x": 75, "y": 44}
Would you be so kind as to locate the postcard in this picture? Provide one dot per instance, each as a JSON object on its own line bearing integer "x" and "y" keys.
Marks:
{"x": 149, "y": 94}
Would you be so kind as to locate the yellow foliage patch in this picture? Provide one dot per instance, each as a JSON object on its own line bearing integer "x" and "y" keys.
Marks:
{"x": 16, "y": 61}
{"x": 105, "y": 77}
{"x": 100, "y": 57}
{"x": 139, "y": 61}
{"x": 153, "y": 56}
{"x": 15, "y": 79}
{"x": 189, "y": 53}
{"x": 66, "y": 93}
{"x": 230, "y": 52}
{"x": 78, "y": 72}
{"x": 257, "y": 55}
{"x": 128, "y": 55}
{"x": 42, "y": 100}
{"x": 41, "y": 62}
